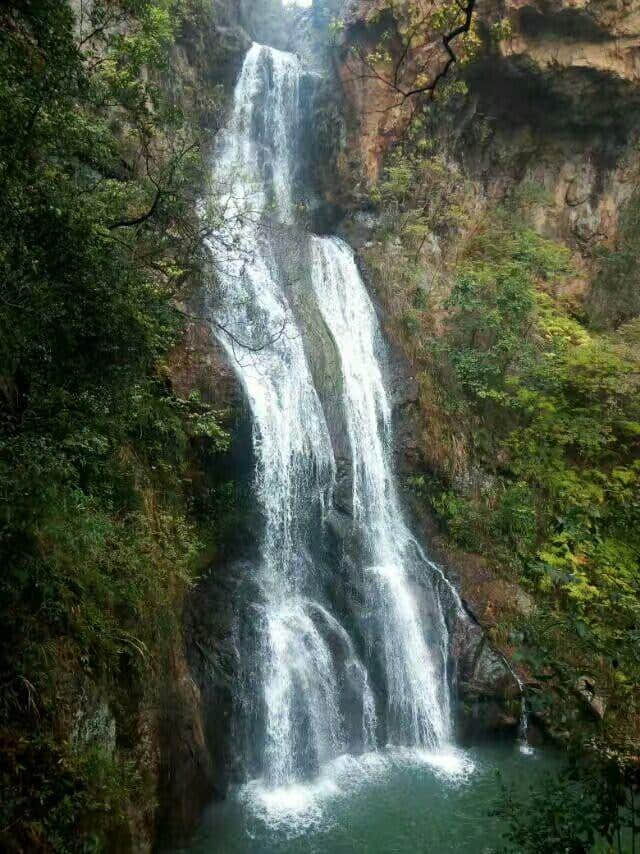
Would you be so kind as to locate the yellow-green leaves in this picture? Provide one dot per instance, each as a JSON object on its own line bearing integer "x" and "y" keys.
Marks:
{"x": 502, "y": 30}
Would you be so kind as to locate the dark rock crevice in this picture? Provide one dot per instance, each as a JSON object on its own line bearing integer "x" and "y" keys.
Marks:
{"x": 574, "y": 25}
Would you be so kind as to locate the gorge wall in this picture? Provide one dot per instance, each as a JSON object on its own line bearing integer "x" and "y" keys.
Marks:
{"x": 545, "y": 134}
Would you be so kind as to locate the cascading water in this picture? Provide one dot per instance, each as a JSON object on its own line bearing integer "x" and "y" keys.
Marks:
{"x": 309, "y": 696}
{"x": 418, "y": 695}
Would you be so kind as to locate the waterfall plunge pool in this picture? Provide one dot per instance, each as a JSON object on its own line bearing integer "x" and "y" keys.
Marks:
{"x": 392, "y": 802}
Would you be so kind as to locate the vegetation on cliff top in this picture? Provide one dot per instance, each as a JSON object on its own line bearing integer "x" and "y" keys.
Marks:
{"x": 99, "y": 168}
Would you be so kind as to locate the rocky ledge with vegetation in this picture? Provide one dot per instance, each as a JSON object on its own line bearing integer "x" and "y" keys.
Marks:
{"x": 492, "y": 155}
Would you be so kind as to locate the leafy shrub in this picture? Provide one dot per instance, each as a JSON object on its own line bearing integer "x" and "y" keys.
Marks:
{"x": 588, "y": 806}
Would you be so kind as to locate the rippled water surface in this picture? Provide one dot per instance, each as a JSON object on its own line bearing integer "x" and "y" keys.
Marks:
{"x": 398, "y": 802}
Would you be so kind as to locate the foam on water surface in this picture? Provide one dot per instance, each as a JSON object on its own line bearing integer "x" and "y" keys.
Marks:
{"x": 296, "y": 809}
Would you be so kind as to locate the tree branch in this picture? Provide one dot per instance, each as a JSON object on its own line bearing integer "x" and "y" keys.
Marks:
{"x": 430, "y": 87}
{"x": 160, "y": 192}
{"x": 252, "y": 348}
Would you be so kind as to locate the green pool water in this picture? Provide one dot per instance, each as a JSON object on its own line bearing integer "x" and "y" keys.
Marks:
{"x": 398, "y": 802}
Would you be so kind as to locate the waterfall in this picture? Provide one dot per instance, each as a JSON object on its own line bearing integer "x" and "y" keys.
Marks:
{"x": 309, "y": 694}
{"x": 418, "y": 698}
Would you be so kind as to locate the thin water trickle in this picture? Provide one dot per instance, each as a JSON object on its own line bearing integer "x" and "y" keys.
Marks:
{"x": 523, "y": 724}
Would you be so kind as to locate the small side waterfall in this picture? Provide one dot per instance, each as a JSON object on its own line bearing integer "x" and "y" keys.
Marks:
{"x": 307, "y": 692}
{"x": 523, "y": 723}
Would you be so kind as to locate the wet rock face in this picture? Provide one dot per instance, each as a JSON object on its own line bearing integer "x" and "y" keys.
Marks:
{"x": 188, "y": 779}
{"x": 322, "y": 142}
{"x": 196, "y": 714}
{"x": 200, "y": 364}
{"x": 488, "y": 693}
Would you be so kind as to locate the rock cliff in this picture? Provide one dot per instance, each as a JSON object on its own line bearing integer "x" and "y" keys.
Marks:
{"x": 553, "y": 103}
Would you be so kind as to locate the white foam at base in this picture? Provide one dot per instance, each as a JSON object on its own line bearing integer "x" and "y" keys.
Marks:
{"x": 526, "y": 749}
{"x": 296, "y": 808}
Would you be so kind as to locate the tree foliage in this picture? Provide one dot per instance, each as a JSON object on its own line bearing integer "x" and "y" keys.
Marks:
{"x": 99, "y": 174}
{"x": 588, "y": 806}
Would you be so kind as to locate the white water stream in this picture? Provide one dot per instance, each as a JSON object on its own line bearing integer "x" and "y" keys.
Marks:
{"x": 418, "y": 696}
{"x": 325, "y": 682}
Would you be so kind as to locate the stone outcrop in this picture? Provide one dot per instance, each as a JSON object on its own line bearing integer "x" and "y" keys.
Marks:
{"x": 560, "y": 92}
{"x": 557, "y": 36}
{"x": 377, "y": 112}
{"x": 574, "y": 62}
{"x": 187, "y": 779}
{"x": 563, "y": 90}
